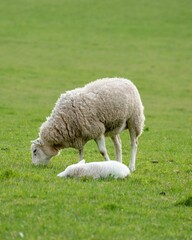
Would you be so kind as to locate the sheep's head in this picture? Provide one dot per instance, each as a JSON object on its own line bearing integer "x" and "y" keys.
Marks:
{"x": 41, "y": 153}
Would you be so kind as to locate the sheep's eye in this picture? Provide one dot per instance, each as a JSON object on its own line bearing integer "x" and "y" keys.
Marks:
{"x": 34, "y": 152}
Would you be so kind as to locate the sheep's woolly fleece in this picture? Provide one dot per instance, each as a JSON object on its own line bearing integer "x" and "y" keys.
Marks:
{"x": 96, "y": 170}
{"x": 101, "y": 107}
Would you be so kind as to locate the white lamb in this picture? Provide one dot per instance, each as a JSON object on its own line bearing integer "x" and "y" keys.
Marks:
{"x": 96, "y": 170}
{"x": 102, "y": 108}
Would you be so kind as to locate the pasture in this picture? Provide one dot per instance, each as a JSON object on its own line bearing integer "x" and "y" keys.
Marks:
{"x": 48, "y": 47}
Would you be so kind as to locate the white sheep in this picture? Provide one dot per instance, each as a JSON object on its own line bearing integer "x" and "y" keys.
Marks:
{"x": 101, "y": 108}
{"x": 96, "y": 170}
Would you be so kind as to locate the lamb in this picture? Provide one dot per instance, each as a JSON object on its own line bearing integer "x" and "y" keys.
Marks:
{"x": 103, "y": 108}
{"x": 96, "y": 170}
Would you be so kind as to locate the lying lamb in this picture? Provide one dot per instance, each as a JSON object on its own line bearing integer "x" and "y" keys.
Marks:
{"x": 102, "y": 108}
{"x": 96, "y": 170}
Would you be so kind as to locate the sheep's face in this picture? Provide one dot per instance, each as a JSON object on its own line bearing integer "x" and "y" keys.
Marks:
{"x": 41, "y": 154}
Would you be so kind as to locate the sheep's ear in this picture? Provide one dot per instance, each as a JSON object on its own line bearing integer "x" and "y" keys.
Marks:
{"x": 81, "y": 162}
{"x": 37, "y": 142}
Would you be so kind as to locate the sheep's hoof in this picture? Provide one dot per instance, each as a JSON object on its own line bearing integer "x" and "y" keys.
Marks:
{"x": 132, "y": 168}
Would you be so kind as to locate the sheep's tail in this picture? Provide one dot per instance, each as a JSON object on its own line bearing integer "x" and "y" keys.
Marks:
{"x": 137, "y": 120}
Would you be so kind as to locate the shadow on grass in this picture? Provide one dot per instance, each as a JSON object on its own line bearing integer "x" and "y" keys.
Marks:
{"x": 42, "y": 167}
{"x": 8, "y": 173}
{"x": 90, "y": 179}
{"x": 112, "y": 207}
{"x": 187, "y": 202}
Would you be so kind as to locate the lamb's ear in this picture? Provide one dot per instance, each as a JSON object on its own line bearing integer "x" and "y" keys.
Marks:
{"x": 81, "y": 162}
{"x": 37, "y": 142}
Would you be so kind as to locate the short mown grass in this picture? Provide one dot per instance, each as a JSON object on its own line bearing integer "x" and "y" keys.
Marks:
{"x": 48, "y": 47}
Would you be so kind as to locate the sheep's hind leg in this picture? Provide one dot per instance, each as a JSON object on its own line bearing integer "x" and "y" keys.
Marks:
{"x": 118, "y": 149}
{"x": 102, "y": 148}
{"x": 133, "y": 149}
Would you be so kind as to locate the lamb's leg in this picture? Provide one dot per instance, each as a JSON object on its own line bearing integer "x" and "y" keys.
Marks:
{"x": 102, "y": 148}
{"x": 133, "y": 149}
{"x": 118, "y": 149}
{"x": 81, "y": 152}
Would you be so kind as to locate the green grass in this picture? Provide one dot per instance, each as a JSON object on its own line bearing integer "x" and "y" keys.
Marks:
{"x": 48, "y": 47}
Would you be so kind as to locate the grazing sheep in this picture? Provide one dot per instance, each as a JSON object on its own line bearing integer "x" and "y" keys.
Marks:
{"x": 102, "y": 108}
{"x": 96, "y": 170}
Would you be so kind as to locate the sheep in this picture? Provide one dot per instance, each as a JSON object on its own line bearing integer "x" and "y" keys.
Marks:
{"x": 96, "y": 170}
{"x": 103, "y": 108}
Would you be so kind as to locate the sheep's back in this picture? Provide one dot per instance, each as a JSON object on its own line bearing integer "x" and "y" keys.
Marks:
{"x": 100, "y": 107}
{"x": 113, "y": 99}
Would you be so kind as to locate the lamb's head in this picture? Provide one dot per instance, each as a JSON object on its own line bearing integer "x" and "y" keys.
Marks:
{"x": 42, "y": 153}
{"x": 73, "y": 170}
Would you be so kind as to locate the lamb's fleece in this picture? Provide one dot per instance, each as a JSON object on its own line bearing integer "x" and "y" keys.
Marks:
{"x": 96, "y": 170}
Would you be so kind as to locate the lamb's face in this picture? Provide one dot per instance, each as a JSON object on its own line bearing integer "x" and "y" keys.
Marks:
{"x": 75, "y": 170}
{"x": 39, "y": 157}
{"x": 68, "y": 171}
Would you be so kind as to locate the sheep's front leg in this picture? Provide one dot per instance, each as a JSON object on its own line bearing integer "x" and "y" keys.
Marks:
{"x": 102, "y": 148}
{"x": 118, "y": 149}
{"x": 81, "y": 153}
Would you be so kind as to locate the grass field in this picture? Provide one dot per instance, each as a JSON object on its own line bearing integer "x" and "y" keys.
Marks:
{"x": 48, "y": 47}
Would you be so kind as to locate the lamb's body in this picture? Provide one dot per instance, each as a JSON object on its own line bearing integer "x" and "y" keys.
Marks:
{"x": 96, "y": 170}
{"x": 102, "y": 108}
